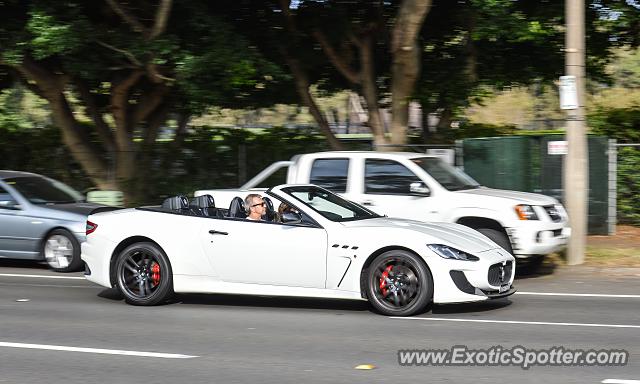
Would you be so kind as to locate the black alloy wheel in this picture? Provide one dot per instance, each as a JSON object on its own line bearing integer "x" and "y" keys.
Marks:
{"x": 399, "y": 283}
{"x": 143, "y": 274}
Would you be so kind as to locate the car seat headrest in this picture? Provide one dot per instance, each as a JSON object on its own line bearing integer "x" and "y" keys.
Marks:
{"x": 237, "y": 208}
{"x": 176, "y": 203}
{"x": 204, "y": 201}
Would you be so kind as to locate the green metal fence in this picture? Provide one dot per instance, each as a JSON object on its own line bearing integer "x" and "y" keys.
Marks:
{"x": 528, "y": 163}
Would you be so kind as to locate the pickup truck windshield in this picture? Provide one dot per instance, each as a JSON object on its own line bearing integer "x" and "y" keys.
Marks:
{"x": 40, "y": 190}
{"x": 448, "y": 176}
{"x": 330, "y": 206}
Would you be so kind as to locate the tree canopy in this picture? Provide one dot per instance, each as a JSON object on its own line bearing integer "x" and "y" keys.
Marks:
{"x": 129, "y": 66}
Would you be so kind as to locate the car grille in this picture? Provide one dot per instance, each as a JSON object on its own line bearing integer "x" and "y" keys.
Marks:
{"x": 500, "y": 274}
{"x": 553, "y": 213}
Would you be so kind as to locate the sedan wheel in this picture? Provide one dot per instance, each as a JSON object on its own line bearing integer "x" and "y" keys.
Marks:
{"x": 143, "y": 274}
{"x": 61, "y": 251}
{"x": 399, "y": 284}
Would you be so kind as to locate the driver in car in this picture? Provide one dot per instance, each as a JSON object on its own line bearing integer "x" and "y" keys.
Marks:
{"x": 256, "y": 207}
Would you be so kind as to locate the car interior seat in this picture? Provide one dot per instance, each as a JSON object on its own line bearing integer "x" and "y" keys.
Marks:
{"x": 177, "y": 203}
{"x": 270, "y": 212}
{"x": 203, "y": 206}
{"x": 237, "y": 208}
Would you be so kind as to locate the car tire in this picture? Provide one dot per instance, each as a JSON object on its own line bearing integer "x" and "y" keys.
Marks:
{"x": 399, "y": 283}
{"x": 143, "y": 274}
{"x": 497, "y": 237}
{"x": 61, "y": 251}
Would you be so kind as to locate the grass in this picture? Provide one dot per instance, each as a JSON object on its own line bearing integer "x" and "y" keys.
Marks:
{"x": 612, "y": 256}
{"x": 602, "y": 256}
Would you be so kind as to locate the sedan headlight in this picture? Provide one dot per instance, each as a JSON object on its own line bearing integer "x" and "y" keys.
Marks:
{"x": 451, "y": 253}
{"x": 526, "y": 212}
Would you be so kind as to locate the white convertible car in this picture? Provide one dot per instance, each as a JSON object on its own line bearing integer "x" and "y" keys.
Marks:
{"x": 325, "y": 247}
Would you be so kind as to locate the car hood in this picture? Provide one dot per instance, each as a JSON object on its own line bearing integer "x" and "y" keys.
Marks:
{"x": 520, "y": 197}
{"x": 77, "y": 208}
{"x": 455, "y": 235}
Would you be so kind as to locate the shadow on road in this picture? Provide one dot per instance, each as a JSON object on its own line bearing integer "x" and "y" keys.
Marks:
{"x": 111, "y": 294}
{"x": 30, "y": 264}
{"x": 483, "y": 306}
{"x": 272, "y": 302}
{"x": 535, "y": 269}
{"x": 308, "y": 303}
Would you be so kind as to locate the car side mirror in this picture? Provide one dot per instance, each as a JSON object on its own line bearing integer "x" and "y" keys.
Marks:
{"x": 291, "y": 218}
{"x": 419, "y": 189}
{"x": 10, "y": 204}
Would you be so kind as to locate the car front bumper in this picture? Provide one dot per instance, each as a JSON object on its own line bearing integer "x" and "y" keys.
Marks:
{"x": 532, "y": 240}
{"x": 491, "y": 277}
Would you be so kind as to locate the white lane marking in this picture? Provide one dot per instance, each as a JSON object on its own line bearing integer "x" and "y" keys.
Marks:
{"x": 619, "y": 381}
{"x": 517, "y": 322}
{"x": 50, "y": 285}
{"x": 96, "y": 350}
{"x": 578, "y": 294}
{"x": 42, "y": 276}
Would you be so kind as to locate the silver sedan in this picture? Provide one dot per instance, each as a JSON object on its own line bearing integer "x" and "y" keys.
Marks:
{"x": 42, "y": 219}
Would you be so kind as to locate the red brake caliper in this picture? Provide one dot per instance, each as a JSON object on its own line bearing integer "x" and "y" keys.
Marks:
{"x": 383, "y": 279}
{"x": 155, "y": 274}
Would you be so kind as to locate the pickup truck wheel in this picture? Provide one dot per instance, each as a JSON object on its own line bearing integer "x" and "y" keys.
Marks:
{"x": 143, "y": 274}
{"x": 61, "y": 251}
{"x": 497, "y": 237}
{"x": 399, "y": 283}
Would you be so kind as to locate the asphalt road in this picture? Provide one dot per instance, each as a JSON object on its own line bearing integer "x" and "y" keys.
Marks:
{"x": 44, "y": 321}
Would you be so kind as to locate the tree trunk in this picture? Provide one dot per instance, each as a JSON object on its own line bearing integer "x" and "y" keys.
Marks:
{"x": 302, "y": 86}
{"x": 406, "y": 64}
{"x": 86, "y": 156}
{"x": 370, "y": 93}
{"x": 301, "y": 79}
{"x": 51, "y": 87}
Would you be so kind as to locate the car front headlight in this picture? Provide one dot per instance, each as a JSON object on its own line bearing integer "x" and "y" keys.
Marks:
{"x": 525, "y": 212}
{"x": 451, "y": 253}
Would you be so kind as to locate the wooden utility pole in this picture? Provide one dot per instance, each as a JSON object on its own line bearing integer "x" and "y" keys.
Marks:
{"x": 576, "y": 162}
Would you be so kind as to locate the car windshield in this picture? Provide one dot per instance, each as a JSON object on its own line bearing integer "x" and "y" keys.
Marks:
{"x": 329, "y": 205}
{"x": 41, "y": 190}
{"x": 448, "y": 176}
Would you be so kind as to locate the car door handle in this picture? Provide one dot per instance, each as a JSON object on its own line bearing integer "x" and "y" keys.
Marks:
{"x": 367, "y": 202}
{"x": 214, "y": 232}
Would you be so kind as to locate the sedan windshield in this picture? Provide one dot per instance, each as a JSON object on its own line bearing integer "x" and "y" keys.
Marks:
{"x": 329, "y": 205}
{"x": 448, "y": 176}
{"x": 40, "y": 190}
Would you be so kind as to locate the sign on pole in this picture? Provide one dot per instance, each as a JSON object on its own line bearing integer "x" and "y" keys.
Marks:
{"x": 557, "y": 148}
{"x": 568, "y": 92}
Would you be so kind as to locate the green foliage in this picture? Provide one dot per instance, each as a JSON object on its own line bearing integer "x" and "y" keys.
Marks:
{"x": 620, "y": 124}
{"x": 203, "y": 57}
{"x": 468, "y": 131}
{"x": 51, "y": 37}
{"x": 21, "y": 110}
{"x": 484, "y": 130}
{"x": 209, "y": 157}
{"x": 627, "y": 69}
{"x": 40, "y": 151}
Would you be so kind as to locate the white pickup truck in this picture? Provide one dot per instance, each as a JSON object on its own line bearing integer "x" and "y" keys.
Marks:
{"x": 421, "y": 187}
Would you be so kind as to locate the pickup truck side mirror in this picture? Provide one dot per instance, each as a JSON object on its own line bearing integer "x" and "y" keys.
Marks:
{"x": 419, "y": 189}
{"x": 291, "y": 218}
